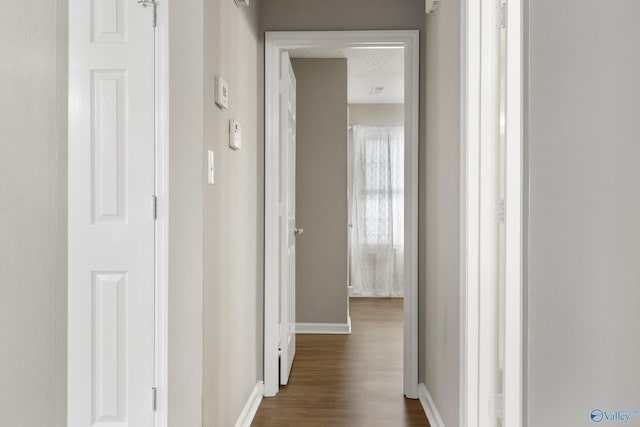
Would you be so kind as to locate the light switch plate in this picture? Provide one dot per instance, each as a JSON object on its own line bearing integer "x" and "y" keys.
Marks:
{"x": 221, "y": 93}
{"x": 235, "y": 135}
{"x": 211, "y": 170}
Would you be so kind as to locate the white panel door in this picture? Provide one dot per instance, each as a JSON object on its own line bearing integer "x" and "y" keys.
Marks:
{"x": 288, "y": 219}
{"x": 111, "y": 215}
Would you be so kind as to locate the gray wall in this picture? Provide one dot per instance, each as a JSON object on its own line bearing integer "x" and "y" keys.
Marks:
{"x": 583, "y": 275}
{"x": 376, "y": 114}
{"x": 233, "y": 214}
{"x": 186, "y": 174}
{"x": 311, "y": 15}
{"x": 33, "y": 213}
{"x": 441, "y": 300}
{"x": 321, "y": 190}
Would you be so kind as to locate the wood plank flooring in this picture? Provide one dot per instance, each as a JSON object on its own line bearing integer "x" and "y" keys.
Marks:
{"x": 348, "y": 380}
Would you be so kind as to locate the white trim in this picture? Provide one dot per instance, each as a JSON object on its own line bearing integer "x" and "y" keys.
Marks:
{"x": 489, "y": 243}
{"x": 429, "y": 406}
{"x": 374, "y": 294}
{"x": 513, "y": 369}
{"x": 275, "y": 42}
{"x": 324, "y": 328}
{"x": 469, "y": 211}
{"x": 161, "y": 415}
{"x": 251, "y": 407}
{"x": 478, "y": 362}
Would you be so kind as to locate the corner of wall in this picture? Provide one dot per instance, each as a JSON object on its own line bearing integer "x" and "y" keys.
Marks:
{"x": 441, "y": 244}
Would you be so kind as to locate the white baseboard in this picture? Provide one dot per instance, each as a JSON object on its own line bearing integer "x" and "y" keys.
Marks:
{"x": 361, "y": 294}
{"x": 251, "y": 407}
{"x": 324, "y": 328}
{"x": 429, "y": 406}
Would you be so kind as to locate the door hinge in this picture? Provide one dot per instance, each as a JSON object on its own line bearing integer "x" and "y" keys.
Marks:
{"x": 154, "y": 399}
{"x": 153, "y": 5}
{"x": 281, "y": 86}
{"x": 154, "y": 201}
{"x": 502, "y": 14}
{"x": 501, "y": 211}
{"x": 496, "y": 406}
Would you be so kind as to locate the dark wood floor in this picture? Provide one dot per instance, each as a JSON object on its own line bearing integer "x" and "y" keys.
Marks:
{"x": 348, "y": 380}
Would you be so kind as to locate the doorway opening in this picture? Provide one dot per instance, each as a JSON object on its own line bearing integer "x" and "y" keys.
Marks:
{"x": 275, "y": 163}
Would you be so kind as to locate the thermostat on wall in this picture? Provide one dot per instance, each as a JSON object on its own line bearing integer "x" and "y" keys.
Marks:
{"x": 221, "y": 93}
{"x": 235, "y": 135}
{"x": 242, "y": 2}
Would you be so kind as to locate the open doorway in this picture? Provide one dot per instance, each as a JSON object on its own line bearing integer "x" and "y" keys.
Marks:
{"x": 349, "y": 213}
{"x": 363, "y": 87}
{"x": 275, "y": 287}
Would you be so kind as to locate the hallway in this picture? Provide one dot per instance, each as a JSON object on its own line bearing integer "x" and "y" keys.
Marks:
{"x": 348, "y": 380}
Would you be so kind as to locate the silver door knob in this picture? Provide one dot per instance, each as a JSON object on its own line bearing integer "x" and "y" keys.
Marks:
{"x": 298, "y": 231}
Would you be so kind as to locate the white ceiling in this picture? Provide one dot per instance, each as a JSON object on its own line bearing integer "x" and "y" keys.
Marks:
{"x": 367, "y": 68}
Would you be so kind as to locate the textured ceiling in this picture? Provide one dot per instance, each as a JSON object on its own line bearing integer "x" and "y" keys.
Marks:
{"x": 367, "y": 68}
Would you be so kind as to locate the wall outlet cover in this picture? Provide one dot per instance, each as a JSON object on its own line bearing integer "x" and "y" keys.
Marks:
{"x": 235, "y": 135}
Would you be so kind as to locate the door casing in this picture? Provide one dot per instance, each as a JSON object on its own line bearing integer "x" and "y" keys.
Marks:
{"x": 275, "y": 43}
{"x": 514, "y": 218}
{"x": 162, "y": 111}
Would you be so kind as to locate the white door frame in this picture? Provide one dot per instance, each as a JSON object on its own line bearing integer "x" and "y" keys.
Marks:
{"x": 162, "y": 212}
{"x": 479, "y": 89}
{"x": 276, "y": 42}
{"x": 514, "y": 222}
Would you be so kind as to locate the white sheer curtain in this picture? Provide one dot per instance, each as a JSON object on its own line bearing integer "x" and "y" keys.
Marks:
{"x": 377, "y": 211}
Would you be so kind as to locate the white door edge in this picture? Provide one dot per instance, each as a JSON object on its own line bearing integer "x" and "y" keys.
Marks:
{"x": 514, "y": 220}
{"x": 275, "y": 43}
{"x": 162, "y": 222}
{"x": 287, "y": 220}
{"x": 469, "y": 201}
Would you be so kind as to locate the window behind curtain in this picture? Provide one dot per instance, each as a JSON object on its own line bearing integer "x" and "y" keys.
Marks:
{"x": 381, "y": 156}
{"x": 377, "y": 211}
